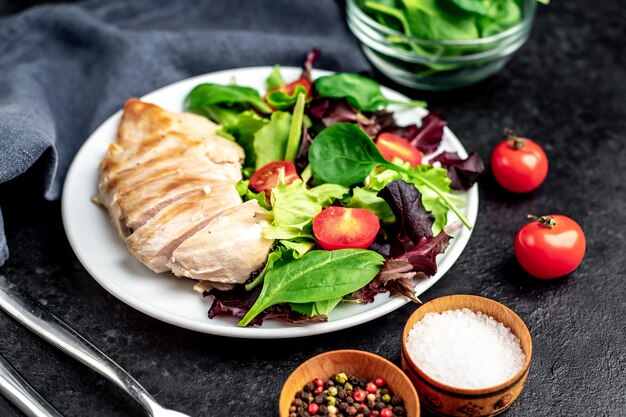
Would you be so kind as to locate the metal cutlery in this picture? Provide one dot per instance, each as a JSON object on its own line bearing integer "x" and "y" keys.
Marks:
{"x": 52, "y": 329}
{"x": 20, "y": 393}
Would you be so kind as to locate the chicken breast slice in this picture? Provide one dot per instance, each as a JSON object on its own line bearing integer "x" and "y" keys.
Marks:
{"x": 228, "y": 249}
{"x": 141, "y": 119}
{"x": 154, "y": 242}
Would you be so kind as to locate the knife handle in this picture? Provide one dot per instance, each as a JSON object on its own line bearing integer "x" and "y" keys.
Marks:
{"x": 53, "y": 330}
{"x": 20, "y": 393}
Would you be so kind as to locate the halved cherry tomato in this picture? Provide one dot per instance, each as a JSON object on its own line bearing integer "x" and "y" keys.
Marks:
{"x": 519, "y": 164}
{"x": 290, "y": 87}
{"x": 550, "y": 247}
{"x": 266, "y": 177}
{"x": 391, "y": 146}
{"x": 342, "y": 228}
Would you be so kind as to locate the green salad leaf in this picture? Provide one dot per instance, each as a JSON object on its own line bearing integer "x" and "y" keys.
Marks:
{"x": 340, "y": 155}
{"x": 270, "y": 141}
{"x": 317, "y": 308}
{"x": 223, "y": 103}
{"x": 242, "y": 129}
{"x": 299, "y": 246}
{"x": 295, "y": 130}
{"x": 317, "y": 276}
{"x": 294, "y": 204}
{"x": 328, "y": 193}
{"x": 437, "y": 177}
{"x": 367, "y": 199}
{"x": 279, "y": 256}
{"x": 362, "y": 93}
{"x": 243, "y": 188}
{"x": 281, "y": 100}
{"x": 344, "y": 154}
{"x": 275, "y": 78}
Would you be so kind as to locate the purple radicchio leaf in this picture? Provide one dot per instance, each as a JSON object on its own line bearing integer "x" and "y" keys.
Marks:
{"x": 307, "y": 68}
{"x": 396, "y": 276}
{"x": 429, "y": 134}
{"x": 238, "y": 301}
{"x": 426, "y": 137}
{"x": 462, "y": 172}
{"x": 423, "y": 256}
{"x": 405, "y": 202}
{"x": 302, "y": 160}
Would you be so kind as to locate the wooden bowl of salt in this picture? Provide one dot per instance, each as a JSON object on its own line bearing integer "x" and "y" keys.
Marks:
{"x": 466, "y": 355}
{"x": 353, "y": 362}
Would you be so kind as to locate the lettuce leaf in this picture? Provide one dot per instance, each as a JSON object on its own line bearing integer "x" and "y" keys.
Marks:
{"x": 270, "y": 141}
{"x": 275, "y": 78}
{"x": 243, "y": 188}
{"x": 368, "y": 199}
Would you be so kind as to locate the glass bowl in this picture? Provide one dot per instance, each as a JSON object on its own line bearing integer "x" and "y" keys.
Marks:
{"x": 437, "y": 65}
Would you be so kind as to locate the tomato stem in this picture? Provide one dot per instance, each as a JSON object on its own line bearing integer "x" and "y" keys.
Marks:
{"x": 545, "y": 221}
{"x": 514, "y": 141}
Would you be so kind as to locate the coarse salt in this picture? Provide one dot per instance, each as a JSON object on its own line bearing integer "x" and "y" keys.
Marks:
{"x": 464, "y": 349}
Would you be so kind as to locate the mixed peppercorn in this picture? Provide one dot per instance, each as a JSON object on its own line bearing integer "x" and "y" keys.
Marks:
{"x": 346, "y": 396}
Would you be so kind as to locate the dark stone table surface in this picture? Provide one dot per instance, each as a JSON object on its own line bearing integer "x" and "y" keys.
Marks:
{"x": 566, "y": 88}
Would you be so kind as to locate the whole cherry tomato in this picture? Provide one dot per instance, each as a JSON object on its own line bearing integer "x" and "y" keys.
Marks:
{"x": 550, "y": 246}
{"x": 519, "y": 164}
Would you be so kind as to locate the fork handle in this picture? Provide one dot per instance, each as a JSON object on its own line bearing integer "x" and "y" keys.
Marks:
{"x": 20, "y": 393}
{"x": 52, "y": 329}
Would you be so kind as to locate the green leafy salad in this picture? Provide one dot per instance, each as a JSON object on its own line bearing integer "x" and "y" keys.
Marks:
{"x": 418, "y": 26}
{"x": 356, "y": 209}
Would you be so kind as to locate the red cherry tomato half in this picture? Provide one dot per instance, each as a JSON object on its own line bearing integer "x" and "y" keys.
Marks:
{"x": 342, "y": 228}
{"x": 519, "y": 165}
{"x": 266, "y": 177}
{"x": 550, "y": 247}
{"x": 291, "y": 87}
{"x": 391, "y": 146}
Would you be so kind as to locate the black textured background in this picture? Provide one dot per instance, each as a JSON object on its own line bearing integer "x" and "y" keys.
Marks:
{"x": 566, "y": 88}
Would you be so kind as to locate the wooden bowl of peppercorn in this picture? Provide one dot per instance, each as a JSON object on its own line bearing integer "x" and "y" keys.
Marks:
{"x": 402, "y": 399}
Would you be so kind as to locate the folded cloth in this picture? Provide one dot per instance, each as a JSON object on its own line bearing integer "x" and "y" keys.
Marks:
{"x": 65, "y": 68}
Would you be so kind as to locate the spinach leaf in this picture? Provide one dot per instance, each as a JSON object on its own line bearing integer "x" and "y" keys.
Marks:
{"x": 317, "y": 276}
{"x": 318, "y": 308}
{"x": 343, "y": 154}
{"x": 223, "y": 103}
{"x": 279, "y": 256}
{"x": 361, "y": 92}
{"x": 275, "y": 78}
{"x": 429, "y": 21}
{"x": 271, "y": 140}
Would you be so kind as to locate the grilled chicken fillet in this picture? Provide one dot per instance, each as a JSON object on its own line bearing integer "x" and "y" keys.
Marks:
{"x": 168, "y": 183}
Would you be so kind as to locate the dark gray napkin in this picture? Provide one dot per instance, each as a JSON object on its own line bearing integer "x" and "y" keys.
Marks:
{"x": 65, "y": 68}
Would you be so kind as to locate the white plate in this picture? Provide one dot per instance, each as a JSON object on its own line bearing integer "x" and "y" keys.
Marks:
{"x": 171, "y": 299}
